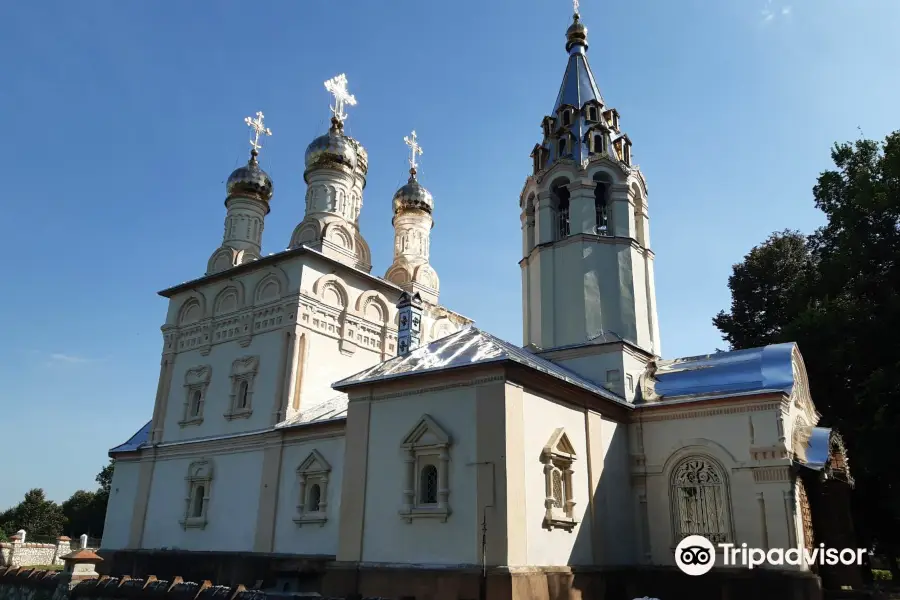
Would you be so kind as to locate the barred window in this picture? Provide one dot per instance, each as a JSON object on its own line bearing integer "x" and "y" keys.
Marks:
{"x": 428, "y": 485}
{"x": 700, "y": 500}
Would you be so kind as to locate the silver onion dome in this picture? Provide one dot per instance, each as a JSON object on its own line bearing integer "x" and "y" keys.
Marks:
{"x": 413, "y": 195}
{"x": 333, "y": 148}
{"x": 250, "y": 181}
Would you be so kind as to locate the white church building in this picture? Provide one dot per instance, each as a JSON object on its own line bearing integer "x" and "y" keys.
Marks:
{"x": 310, "y": 408}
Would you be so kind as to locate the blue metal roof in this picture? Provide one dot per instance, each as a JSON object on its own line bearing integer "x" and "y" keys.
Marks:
{"x": 578, "y": 84}
{"x": 134, "y": 442}
{"x": 754, "y": 370}
{"x": 813, "y": 447}
{"x": 467, "y": 347}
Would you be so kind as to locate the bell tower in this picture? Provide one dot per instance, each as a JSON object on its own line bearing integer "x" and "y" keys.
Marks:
{"x": 587, "y": 268}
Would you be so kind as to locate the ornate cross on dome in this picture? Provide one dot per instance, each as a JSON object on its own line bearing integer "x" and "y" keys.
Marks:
{"x": 575, "y": 4}
{"x": 259, "y": 127}
{"x": 337, "y": 87}
{"x": 414, "y": 148}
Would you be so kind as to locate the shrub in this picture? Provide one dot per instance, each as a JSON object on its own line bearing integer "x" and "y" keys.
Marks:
{"x": 881, "y": 575}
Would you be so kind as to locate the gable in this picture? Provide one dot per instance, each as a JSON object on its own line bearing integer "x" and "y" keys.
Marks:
{"x": 559, "y": 445}
{"x": 314, "y": 463}
{"x": 426, "y": 433}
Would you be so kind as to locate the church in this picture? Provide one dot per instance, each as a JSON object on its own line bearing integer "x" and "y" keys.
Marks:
{"x": 355, "y": 436}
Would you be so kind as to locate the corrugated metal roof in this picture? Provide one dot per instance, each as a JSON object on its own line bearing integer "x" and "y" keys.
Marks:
{"x": 755, "y": 370}
{"x": 468, "y": 347}
{"x": 334, "y": 408}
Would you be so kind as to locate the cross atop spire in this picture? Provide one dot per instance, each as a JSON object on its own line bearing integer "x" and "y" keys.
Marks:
{"x": 259, "y": 127}
{"x": 575, "y": 5}
{"x": 414, "y": 149}
{"x": 337, "y": 87}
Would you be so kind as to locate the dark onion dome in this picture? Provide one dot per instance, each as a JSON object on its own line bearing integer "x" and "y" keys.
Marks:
{"x": 333, "y": 148}
{"x": 413, "y": 196}
{"x": 576, "y": 33}
{"x": 362, "y": 157}
{"x": 250, "y": 181}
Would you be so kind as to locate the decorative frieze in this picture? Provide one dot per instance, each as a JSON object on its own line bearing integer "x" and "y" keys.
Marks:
{"x": 771, "y": 474}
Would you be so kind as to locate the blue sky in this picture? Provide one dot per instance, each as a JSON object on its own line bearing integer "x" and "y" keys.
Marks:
{"x": 122, "y": 121}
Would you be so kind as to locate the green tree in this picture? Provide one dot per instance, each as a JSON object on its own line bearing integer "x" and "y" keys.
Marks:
{"x": 36, "y": 515}
{"x": 86, "y": 511}
{"x": 769, "y": 289}
{"x": 839, "y": 299}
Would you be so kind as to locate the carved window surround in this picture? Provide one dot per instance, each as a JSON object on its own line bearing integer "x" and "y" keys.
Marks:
{"x": 243, "y": 375}
{"x": 313, "y": 474}
{"x": 196, "y": 383}
{"x": 557, "y": 457}
{"x": 426, "y": 450}
{"x": 196, "y": 504}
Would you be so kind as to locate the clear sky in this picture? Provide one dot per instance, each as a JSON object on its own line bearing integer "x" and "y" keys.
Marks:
{"x": 122, "y": 120}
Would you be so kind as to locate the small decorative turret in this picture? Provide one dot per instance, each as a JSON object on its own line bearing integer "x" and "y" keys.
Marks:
{"x": 409, "y": 315}
{"x": 247, "y": 194}
{"x": 413, "y": 205}
{"x": 335, "y": 172}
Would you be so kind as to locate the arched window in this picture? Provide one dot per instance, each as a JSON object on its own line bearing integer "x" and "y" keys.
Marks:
{"x": 598, "y": 143}
{"x": 196, "y": 398}
{"x": 567, "y": 118}
{"x": 700, "y": 500}
{"x": 561, "y": 197}
{"x": 242, "y": 394}
{"x": 428, "y": 485}
{"x": 601, "y": 203}
{"x": 197, "y": 509}
{"x": 601, "y": 209}
{"x": 562, "y": 147}
{"x": 315, "y": 498}
{"x": 529, "y": 224}
{"x": 592, "y": 113}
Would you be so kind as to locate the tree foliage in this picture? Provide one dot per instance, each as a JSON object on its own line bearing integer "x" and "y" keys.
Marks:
{"x": 837, "y": 294}
{"x": 36, "y": 515}
{"x": 83, "y": 512}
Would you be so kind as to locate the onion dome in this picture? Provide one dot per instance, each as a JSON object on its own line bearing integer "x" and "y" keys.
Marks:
{"x": 576, "y": 34}
{"x": 413, "y": 196}
{"x": 362, "y": 157}
{"x": 250, "y": 181}
{"x": 333, "y": 148}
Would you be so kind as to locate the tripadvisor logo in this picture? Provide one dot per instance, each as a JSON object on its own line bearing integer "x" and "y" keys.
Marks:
{"x": 696, "y": 555}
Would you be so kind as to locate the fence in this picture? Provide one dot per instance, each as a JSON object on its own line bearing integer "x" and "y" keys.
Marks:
{"x": 24, "y": 550}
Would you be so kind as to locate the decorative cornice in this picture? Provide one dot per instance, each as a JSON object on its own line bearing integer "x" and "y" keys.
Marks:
{"x": 648, "y": 412}
{"x": 434, "y": 388}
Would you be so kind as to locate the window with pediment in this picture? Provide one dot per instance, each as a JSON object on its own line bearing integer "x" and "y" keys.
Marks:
{"x": 700, "y": 500}
{"x": 243, "y": 374}
{"x": 196, "y": 382}
{"x": 312, "y": 497}
{"x": 196, "y": 503}
{"x": 426, "y": 482}
{"x": 559, "y": 497}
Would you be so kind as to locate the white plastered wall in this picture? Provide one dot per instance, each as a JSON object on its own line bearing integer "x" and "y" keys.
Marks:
{"x": 120, "y": 507}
